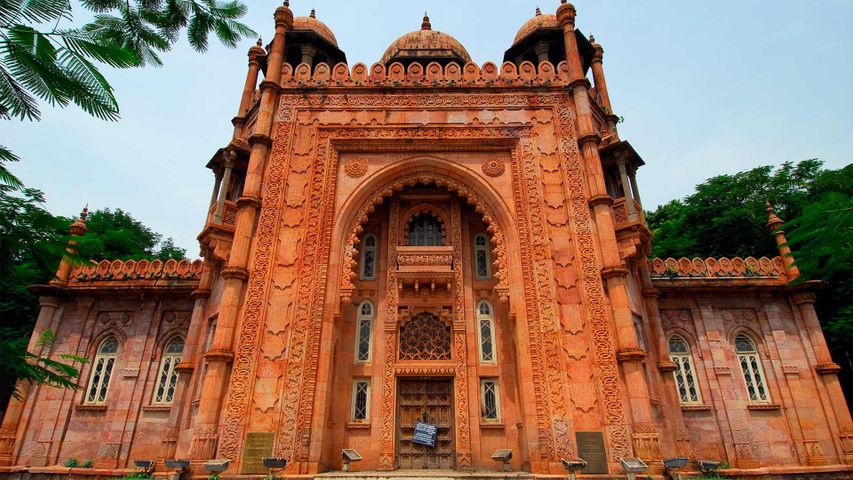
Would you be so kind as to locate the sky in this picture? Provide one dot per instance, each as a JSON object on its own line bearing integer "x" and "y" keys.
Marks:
{"x": 705, "y": 88}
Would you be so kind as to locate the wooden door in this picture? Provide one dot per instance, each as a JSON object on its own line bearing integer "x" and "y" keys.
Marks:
{"x": 430, "y": 399}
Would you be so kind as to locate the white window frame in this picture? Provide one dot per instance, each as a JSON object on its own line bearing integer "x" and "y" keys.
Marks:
{"x": 488, "y": 254}
{"x": 497, "y": 392}
{"x": 490, "y": 318}
{"x": 355, "y": 387}
{"x": 166, "y": 374}
{"x": 683, "y": 364}
{"x": 364, "y": 249}
{"x": 753, "y": 371}
{"x": 104, "y": 363}
{"x": 360, "y": 319}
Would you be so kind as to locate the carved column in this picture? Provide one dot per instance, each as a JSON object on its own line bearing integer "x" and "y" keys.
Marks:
{"x": 217, "y": 184}
{"x": 389, "y": 376}
{"x": 541, "y": 50}
{"x": 613, "y": 272}
{"x": 248, "y": 89}
{"x": 235, "y": 274}
{"x": 308, "y": 53}
{"x": 627, "y": 188}
{"x": 597, "y": 68}
{"x": 460, "y": 348}
{"x": 187, "y": 366}
{"x": 11, "y": 421}
{"x": 223, "y": 192}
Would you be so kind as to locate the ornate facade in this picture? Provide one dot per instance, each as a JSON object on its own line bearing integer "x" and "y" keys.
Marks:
{"x": 431, "y": 240}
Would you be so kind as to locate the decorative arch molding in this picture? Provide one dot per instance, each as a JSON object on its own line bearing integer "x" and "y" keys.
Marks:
{"x": 378, "y": 196}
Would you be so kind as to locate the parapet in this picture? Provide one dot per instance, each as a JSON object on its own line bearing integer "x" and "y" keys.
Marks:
{"x": 762, "y": 270}
{"x": 137, "y": 274}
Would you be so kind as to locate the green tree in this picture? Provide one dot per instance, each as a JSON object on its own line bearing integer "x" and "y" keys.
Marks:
{"x": 32, "y": 242}
{"x": 43, "y": 56}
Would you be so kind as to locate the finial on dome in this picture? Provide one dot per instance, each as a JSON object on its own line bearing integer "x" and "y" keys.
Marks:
{"x": 426, "y": 25}
{"x": 773, "y": 221}
{"x": 78, "y": 228}
{"x": 84, "y": 213}
{"x": 313, "y": 13}
{"x": 538, "y": 12}
{"x": 260, "y": 42}
{"x": 591, "y": 38}
{"x": 286, "y": 3}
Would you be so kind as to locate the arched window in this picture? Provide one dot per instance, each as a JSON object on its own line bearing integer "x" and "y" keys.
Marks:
{"x": 482, "y": 257}
{"x": 486, "y": 331}
{"x": 368, "y": 258}
{"x": 750, "y": 365}
{"x": 426, "y": 229}
{"x": 102, "y": 371}
{"x": 167, "y": 379}
{"x": 363, "y": 330}
{"x": 684, "y": 373}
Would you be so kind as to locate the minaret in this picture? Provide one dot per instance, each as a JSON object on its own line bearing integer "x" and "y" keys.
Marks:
{"x": 235, "y": 273}
{"x": 601, "y": 85}
{"x": 49, "y": 302}
{"x": 775, "y": 223}
{"x": 613, "y": 273}
{"x": 248, "y": 88}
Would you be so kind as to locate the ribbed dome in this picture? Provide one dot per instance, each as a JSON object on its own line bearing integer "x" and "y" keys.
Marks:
{"x": 548, "y": 20}
{"x": 427, "y": 44}
{"x": 310, "y": 23}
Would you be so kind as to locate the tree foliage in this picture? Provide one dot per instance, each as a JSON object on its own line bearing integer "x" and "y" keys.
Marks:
{"x": 727, "y": 216}
{"x": 32, "y": 242}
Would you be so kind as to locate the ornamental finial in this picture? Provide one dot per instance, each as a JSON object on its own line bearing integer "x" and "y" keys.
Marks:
{"x": 773, "y": 221}
{"x": 538, "y": 12}
{"x": 313, "y": 13}
{"x": 260, "y": 42}
{"x": 426, "y": 25}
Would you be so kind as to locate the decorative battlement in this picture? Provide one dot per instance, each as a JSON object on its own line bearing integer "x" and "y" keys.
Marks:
{"x": 134, "y": 271}
{"x": 433, "y": 75}
{"x": 703, "y": 268}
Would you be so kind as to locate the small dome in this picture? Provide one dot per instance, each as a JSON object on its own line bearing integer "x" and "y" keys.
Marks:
{"x": 310, "y": 23}
{"x": 548, "y": 20}
{"x": 425, "y": 44}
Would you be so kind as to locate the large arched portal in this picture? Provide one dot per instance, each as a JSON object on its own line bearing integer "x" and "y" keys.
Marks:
{"x": 423, "y": 341}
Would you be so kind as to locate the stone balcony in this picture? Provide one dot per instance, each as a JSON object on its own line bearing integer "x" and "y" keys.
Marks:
{"x": 425, "y": 266}
{"x": 229, "y": 214}
{"x": 622, "y": 214}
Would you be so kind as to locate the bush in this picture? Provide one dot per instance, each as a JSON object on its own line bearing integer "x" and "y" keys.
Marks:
{"x": 72, "y": 463}
{"x": 88, "y": 463}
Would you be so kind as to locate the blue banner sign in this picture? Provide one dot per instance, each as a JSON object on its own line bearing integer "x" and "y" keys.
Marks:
{"x": 424, "y": 434}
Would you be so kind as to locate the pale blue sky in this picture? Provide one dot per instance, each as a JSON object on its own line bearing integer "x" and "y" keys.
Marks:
{"x": 705, "y": 88}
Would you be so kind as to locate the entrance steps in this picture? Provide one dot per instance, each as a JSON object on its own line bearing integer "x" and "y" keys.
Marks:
{"x": 426, "y": 475}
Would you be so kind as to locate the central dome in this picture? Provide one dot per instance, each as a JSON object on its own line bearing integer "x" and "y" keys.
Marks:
{"x": 311, "y": 24}
{"x": 425, "y": 45}
{"x": 539, "y": 21}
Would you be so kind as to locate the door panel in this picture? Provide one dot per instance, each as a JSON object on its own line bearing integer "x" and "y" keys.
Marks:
{"x": 417, "y": 399}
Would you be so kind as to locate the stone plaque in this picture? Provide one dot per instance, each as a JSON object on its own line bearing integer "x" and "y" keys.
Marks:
{"x": 258, "y": 446}
{"x": 591, "y": 449}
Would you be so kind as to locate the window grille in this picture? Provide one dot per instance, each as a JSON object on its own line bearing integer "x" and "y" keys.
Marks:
{"x": 426, "y": 230}
{"x": 684, "y": 373}
{"x": 364, "y": 337}
{"x": 167, "y": 380}
{"x": 482, "y": 257}
{"x": 102, "y": 371}
{"x": 360, "y": 400}
{"x": 485, "y": 321}
{"x": 425, "y": 337}
{"x": 750, "y": 365}
{"x": 490, "y": 401}
{"x": 368, "y": 258}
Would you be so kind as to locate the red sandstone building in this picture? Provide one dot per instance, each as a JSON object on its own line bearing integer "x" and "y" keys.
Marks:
{"x": 428, "y": 239}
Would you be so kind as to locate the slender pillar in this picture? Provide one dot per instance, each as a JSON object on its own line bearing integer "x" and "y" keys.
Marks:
{"x": 46, "y": 321}
{"x": 187, "y": 366}
{"x": 248, "y": 89}
{"x": 634, "y": 188}
{"x": 308, "y": 53}
{"x": 223, "y": 190}
{"x": 601, "y": 85}
{"x": 541, "y": 49}
{"x": 627, "y": 187}
{"x": 613, "y": 272}
{"x": 217, "y": 184}
{"x": 235, "y": 273}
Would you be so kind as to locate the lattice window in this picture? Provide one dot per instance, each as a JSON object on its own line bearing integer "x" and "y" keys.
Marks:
{"x": 486, "y": 331}
{"x": 167, "y": 380}
{"x": 102, "y": 371}
{"x": 360, "y": 400}
{"x": 490, "y": 404}
{"x": 425, "y": 337}
{"x": 482, "y": 257}
{"x": 684, "y": 373}
{"x": 425, "y": 229}
{"x": 364, "y": 337}
{"x": 750, "y": 365}
{"x": 368, "y": 258}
